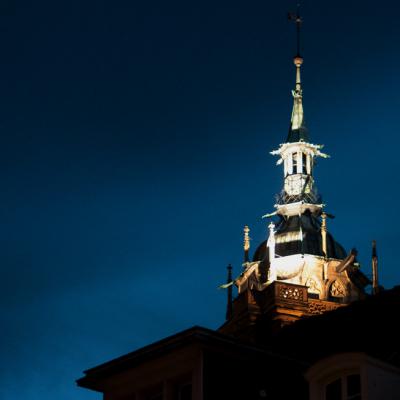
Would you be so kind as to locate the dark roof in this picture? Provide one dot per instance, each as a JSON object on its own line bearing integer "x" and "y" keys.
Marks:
{"x": 95, "y": 377}
{"x": 369, "y": 326}
{"x": 312, "y": 240}
{"x": 261, "y": 253}
{"x": 298, "y": 135}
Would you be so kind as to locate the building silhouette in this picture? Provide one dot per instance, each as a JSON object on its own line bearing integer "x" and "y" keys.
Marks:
{"x": 302, "y": 325}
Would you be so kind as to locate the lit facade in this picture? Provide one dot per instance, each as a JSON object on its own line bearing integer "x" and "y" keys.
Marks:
{"x": 310, "y": 271}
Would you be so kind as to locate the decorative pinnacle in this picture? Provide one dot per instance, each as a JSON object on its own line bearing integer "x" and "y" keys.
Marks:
{"x": 298, "y": 61}
{"x": 323, "y": 225}
{"x": 374, "y": 253}
{"x": 246, "y": 243}
{"x": 375, "y": 281}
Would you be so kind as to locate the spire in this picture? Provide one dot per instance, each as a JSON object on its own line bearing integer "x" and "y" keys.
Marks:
{"x": 297, "y": 131}
{"x": 271, "y": 241}
{"x": 246, "y": 243}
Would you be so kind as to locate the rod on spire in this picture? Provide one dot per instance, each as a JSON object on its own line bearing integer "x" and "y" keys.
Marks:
{"x": 298, "y": 131}
{"x": 298, "y": 20}
{"x": 298, "y": 59}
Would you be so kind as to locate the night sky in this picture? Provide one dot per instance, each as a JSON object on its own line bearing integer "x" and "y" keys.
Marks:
{"x": 134, "y": 147}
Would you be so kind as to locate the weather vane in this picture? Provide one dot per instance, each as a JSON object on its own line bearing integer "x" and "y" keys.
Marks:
{"x": 296, "y": 18}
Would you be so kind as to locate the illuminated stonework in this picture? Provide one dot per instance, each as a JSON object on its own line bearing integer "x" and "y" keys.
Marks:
{"x": 288, "y": 292}
{"x": 337, "y": 290}
{"x": 299, "y": 249}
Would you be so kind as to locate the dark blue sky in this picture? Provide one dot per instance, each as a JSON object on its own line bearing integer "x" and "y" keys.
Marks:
{"x": 134, "y": 146}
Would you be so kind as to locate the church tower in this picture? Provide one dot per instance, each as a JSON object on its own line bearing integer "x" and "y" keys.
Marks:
{"x": 300, "y": 269}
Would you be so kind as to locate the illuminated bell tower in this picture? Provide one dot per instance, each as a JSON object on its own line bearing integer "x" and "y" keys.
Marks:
{"x": 300, "y": 269}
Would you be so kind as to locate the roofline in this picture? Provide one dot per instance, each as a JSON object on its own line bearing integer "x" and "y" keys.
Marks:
{"x": 94, "y": 376}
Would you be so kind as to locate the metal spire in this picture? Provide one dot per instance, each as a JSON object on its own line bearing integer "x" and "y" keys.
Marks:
{"x": 297, "y": 18}
{"x": 298, "y": 131}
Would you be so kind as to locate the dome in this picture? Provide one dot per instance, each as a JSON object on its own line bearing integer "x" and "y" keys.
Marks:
{"x": 288, "y": 241}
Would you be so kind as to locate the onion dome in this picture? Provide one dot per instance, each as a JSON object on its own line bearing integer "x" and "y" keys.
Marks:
{"x": 301, "y": 235}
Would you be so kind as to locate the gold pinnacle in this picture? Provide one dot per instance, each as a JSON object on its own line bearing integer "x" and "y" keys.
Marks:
{"x": 246, "y": 243}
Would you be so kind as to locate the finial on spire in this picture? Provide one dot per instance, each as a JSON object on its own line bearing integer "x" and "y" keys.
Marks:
{"x": 246, "y": 243}
{"x": 297, "y": 18}
{"x": 298, "y": 131}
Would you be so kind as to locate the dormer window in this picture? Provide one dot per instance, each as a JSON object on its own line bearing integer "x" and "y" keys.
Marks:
{"x": 351, "y": 376}
{"x": 344, "y": 388}
{"x": 333, "y": 390}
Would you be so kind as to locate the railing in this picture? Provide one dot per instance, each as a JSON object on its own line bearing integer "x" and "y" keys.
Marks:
{"x": 311, "y": 197}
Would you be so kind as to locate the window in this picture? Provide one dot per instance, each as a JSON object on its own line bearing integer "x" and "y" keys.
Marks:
{"x": 294, "y": 163}
{"x": 185, "y": 391}
{"x": 333, "y": 390}
{"x": 304, "y": 163}
{"x": 153, "y": 393}
{"x": 353, "y": 387}
{"x": 344, "y": 388}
